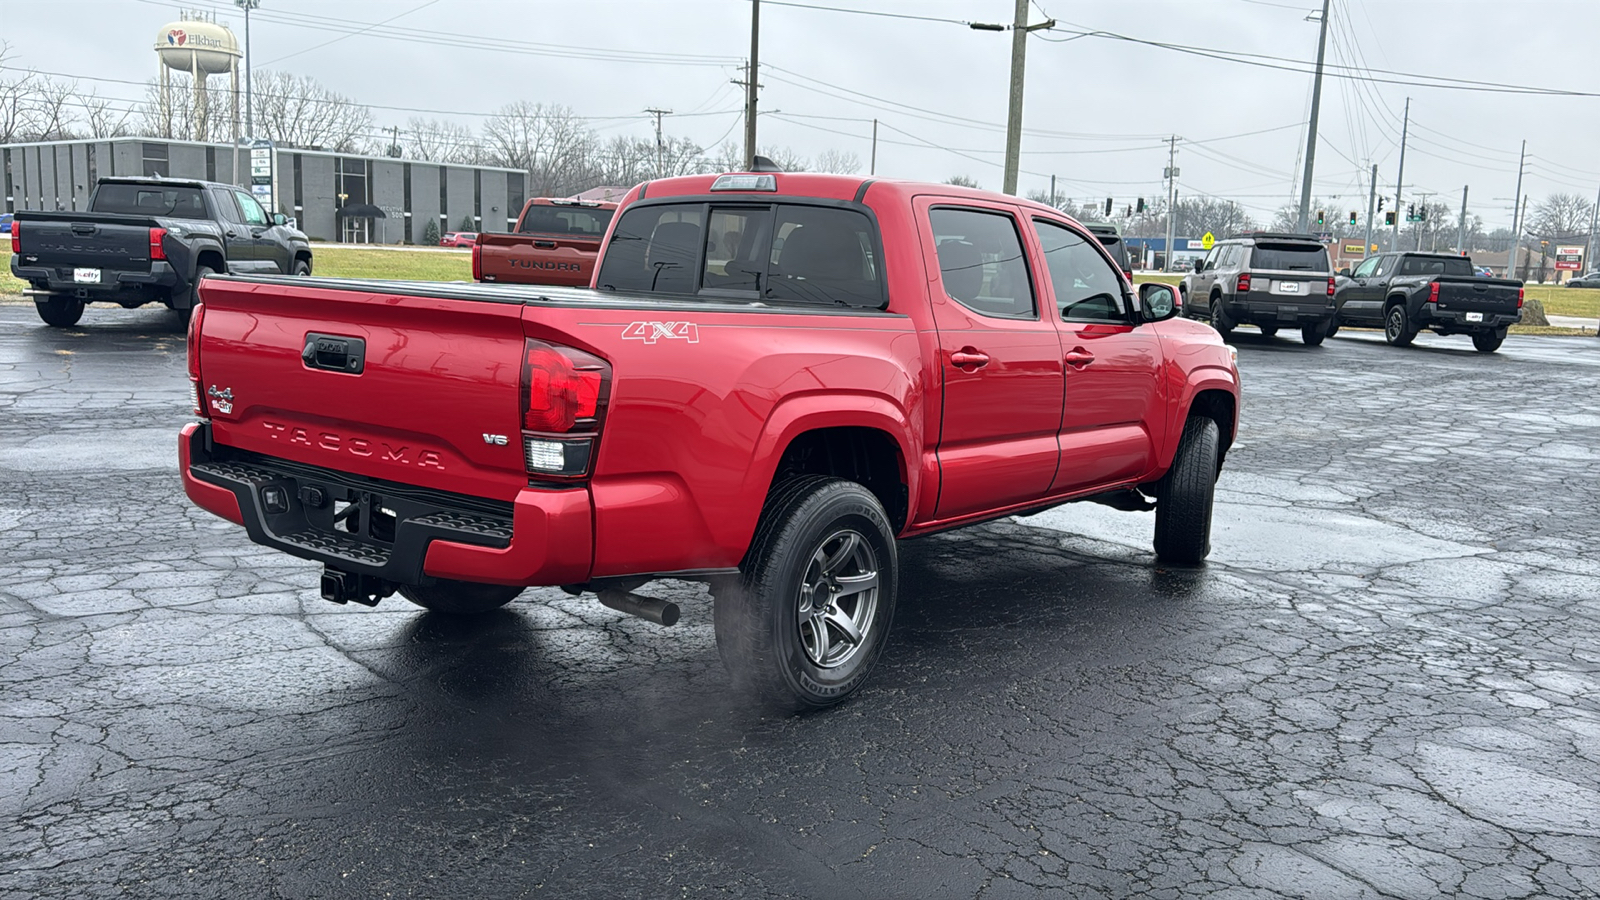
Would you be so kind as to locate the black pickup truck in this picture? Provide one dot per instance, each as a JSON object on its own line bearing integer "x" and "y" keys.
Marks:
{"x": 146, "y": 240}
{"x": 1403, "y": 293}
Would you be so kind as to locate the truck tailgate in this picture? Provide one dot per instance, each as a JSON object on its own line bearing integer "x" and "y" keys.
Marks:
{"x": 85, "y": 242}
{"x": 437, "y": 381}
{"x": 554, "y": 259}
{"x": 1472, "y": 294}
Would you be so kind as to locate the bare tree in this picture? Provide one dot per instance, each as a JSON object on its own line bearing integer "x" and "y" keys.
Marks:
{"x": 839, "y": 162}
{"x": 53, "y": 116}
{"x": 962, "y": 181}
{"x": 299, "y": 110}
{"x": 1561, "y": 217}
{"x": 103, "y": 120}
{"x": 788, "y": 160}
{"x": 550, "y": 143}
{"x": 153, "y": 120}
{"x": 438, "y": 140}
{"x": 729, "y": 158}
{"x": 1221, "y": 218}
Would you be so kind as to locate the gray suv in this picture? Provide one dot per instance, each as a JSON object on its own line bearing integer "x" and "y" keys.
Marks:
{"x": 1263, "y": 279}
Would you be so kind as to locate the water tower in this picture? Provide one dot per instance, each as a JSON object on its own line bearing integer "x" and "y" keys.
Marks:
{"x": 198, "y": 45}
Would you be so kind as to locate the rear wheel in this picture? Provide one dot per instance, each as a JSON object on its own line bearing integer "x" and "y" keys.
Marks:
{"x": 459, "y": 598}
{"x": 806, "y": 619}
{"x": 1184, "y": 495}
{"x": 1312, "y": 334}
{"x": 1397, "y": 327}
{"x": 1333, "y": 328}
{"x": 1488, "y": 341}
{"x": 1219, "y": 317}
{"x": 59, "y": 312}
{"x": 1268, "y": 330}
{"x": 300, "y": 269}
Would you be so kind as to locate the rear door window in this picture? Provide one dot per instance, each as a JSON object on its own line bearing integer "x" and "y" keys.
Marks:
{"x": 655, "y": 248}
{"x": 981, "y": 263}
{"x": 1290, "y": 257}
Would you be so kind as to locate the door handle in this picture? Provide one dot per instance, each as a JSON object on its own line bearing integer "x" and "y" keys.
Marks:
{"x": 1079, "y": 358}
{"x": 968, "y": 356}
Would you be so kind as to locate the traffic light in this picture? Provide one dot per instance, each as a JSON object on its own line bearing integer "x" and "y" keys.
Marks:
{"x": 1140, "y": 207}
{"x": 1388, "y": 218}
{"x": 1352, "y": 217}
{"x": 1108, "y": 206}
{"x": 1422, "y": 213}
{"x": 1322, "y": 217}
{"x": 1411, "y": 212}
{"x": 1380, "y": 204}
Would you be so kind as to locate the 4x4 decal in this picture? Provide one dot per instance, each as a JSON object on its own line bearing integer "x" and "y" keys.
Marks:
{"x": 650, "y": 332}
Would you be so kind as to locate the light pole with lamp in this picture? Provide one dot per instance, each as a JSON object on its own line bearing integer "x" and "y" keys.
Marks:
{"x": 249, "y": 81}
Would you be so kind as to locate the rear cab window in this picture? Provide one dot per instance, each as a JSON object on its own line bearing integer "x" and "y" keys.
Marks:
{"x": 1435, "y": 265}
{"x": 168, "y": 201}
{"x": 1287, "y": 256}
{"x": 796, "y": 253}
{"x": 585, "y": 221}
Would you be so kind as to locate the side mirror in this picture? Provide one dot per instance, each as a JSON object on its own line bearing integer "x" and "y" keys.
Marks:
{"x": 1345, "y": 272}
{"x": 1159, "y": 301}
{"x": 280, "y": 219}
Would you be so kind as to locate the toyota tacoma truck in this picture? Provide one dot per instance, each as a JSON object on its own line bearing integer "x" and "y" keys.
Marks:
{"x": 1403, "y": 293}
{"x": 867, "y": 361}
{"x": 556, "y": 242}
{"x": 145, "y": 240}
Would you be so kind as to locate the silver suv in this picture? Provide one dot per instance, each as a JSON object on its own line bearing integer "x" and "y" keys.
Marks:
{"x": 1263, "y": 279}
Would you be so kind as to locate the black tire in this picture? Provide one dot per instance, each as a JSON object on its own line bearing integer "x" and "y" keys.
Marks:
{"x": 1397, "y": 327}
{"x": 1219, "y": 317}
{"x": 60, "y": 312}
{"x": 770, "y": 636}
{"x": 300, "y": 269}
{"x": 193, "y": 297}
{"x": 1488, "y": 341}
{"x": 1268, "y": 330}
{"x": 460, "y": 598}
{"x": 1333, "y": 328}
{"x": 1184, "y": 495}
{"x": 1312, "y": 334}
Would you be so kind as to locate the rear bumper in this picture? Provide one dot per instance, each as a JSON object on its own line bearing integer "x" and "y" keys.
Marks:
{"x": 400, "y": 534}
{"x": 1456, "y": 320}
{"x": 1258, "y": 308}
{"x": 161, "y": 278}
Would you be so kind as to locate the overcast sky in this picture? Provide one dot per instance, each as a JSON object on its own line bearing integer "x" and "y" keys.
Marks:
{"x": 1097, "y": 110}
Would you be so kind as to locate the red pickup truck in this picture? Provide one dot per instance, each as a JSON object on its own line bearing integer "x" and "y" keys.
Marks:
{"x": 774, "y": 378}
{"x": 556, "y": 242}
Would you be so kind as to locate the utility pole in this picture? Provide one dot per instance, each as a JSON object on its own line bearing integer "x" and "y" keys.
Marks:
{"x": 751, "y": 76}
{"x": 1516, "y": 218}
{"x": 1372, "y": 211}
{"x": 1400, "y": 180}
{"x": 872, "y": 168}
{"x": 1423, "y": 225}
{"x": 249, "y": 79}
{"x": 1172, "y": 196}
{"x": 660, "y": 147}
{"x": 1589, "y": 245}
{"x": 1053, "y": 191}
{"x": 1019, "y": 54}
{"x": 1311, "y": 135}
{"x": 1461, "y": 231}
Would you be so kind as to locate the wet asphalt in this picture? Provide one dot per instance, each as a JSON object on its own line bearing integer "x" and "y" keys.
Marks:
{"x": 1382, "y": 685}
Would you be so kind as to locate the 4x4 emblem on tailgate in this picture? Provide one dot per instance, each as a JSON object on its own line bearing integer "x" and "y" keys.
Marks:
{"x": 221, "y": 400}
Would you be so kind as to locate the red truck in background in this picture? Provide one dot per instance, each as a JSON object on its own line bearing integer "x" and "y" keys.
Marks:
{"x": 774, "y": 378}
{"x": 556, "y": 242}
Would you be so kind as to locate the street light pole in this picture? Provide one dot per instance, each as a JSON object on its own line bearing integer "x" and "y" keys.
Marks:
{"x": 1516, "y": 216}
{"x": 1400, "y": 179}
{"x": 1311, "y": 135}
{"x": 249, "y": 79}
{"x": 1372, "y": 212}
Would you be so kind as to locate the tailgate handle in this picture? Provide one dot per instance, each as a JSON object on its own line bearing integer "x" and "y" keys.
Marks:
{"x": 545, "y": 245}
{"x": 83, "y": 228}
{"x": 335, "y": 353}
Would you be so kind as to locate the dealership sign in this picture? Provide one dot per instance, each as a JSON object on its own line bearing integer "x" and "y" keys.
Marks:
{"x": 1569, "y": 258}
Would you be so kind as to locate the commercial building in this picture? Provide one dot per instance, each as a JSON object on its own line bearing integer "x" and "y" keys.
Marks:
{"x": 343, "y": 197}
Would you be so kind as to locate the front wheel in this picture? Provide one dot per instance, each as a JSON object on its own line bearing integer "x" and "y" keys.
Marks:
{"x": 60, "y": 312}
{"x": 459, "y": 598}
{"x": 1184, "y": 495}
{"x": 1397, "y": 327}
{"x": 1312, "y": 334}
{"x": 806, "y": 619}
{"x": 1219, "y": 318}
{"x": 300, "y": 269}
{"x": 1488, "y": 341}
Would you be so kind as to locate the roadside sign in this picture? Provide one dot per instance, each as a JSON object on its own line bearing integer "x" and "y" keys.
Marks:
{"x": 1569, "y": 258}
{"x": 1207, "y": 240}
{"x": 1353, "y": 249}
{"x": 263, "y": 175}
{"x": 1325, "y": 237}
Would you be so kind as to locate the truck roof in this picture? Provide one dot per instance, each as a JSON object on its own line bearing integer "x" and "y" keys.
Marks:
{"x": 175, "y": 182}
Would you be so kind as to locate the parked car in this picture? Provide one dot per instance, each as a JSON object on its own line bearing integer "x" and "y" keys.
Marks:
{"x": 1111, "y": 239}
{"x": 145, "y": 240}
{"x": 879, "y": 360}
{"x": 5, "y": 223}
{"x": 1266, "y": 279}
{"x": 458, "y": 238}
{"x": 1404, "y": 293}
{"x": 556, "y": 242}
{"x": 1483, "y": 271}
{"x": 1591, "y": 280}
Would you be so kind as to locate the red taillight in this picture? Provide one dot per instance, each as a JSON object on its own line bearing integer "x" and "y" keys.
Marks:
{"x": 1330, "y": 287}
{"x": 16, "y": 236}
{"x": 1244, "y": 283}
{"x": 477, "y": 262}
{"x": 1433, "y": 292}
{"x": 196, "y": 316}
{"x": 563, "y": 394}
{"x": 1519, "y": 290}
{"x": 156, "y": 250}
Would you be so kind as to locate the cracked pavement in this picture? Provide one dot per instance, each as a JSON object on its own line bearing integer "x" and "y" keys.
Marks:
{"x": 1382, "y": 685}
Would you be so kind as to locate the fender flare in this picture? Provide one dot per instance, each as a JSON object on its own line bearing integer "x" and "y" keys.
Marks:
{"x": 1208, "y": 377}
